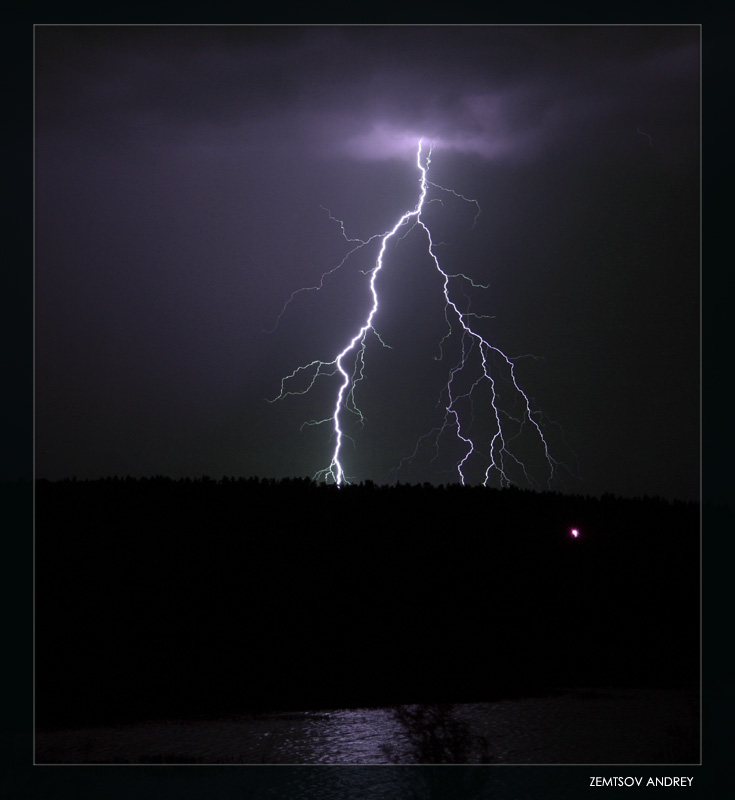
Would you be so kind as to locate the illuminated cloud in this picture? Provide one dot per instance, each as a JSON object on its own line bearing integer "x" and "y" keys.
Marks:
{"x": 495, "y": 92}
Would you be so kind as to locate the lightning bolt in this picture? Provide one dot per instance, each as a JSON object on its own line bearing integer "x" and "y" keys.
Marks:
{"x": 643, "y": 133}
{"x": 495, "y": 367}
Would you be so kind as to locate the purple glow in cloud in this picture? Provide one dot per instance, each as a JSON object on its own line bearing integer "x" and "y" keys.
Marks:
{"x": 385, "y": 142}
{"x": 487, "y": 125}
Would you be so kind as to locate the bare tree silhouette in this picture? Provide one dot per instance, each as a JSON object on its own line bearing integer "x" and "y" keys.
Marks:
{"x": 436, "y": 734}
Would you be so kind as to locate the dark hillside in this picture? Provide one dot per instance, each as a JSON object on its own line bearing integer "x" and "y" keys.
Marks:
{"x": 162, "y": 598}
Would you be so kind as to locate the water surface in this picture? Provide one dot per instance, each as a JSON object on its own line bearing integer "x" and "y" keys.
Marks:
{"x": 575, "y": 726}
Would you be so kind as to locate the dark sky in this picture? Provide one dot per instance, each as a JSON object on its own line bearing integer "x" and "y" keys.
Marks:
{"x": 181, "y": 179}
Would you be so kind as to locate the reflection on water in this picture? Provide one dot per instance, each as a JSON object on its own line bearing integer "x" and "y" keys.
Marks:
{"x": 573, "y": 727}
{"x": 322, "y": 737}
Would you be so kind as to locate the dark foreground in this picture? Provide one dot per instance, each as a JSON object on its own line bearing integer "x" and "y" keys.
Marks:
{"x": 165, "y": 599}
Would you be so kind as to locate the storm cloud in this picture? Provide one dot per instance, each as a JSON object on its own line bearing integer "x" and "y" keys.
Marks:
{"x": 369, "y": 92}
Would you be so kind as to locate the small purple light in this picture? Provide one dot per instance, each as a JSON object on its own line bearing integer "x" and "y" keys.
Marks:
{"x": 575, "y": 533}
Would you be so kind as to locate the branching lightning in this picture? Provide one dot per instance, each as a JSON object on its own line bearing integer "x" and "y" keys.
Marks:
{"x": 508, "y": 420}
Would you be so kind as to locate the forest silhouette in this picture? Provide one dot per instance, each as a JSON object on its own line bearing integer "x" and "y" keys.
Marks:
{"x": 163, "y": 598}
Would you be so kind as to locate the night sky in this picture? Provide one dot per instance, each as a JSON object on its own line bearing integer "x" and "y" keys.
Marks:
{"x": 182, "y": 177}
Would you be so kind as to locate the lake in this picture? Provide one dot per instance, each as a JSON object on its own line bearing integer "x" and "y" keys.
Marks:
{"x": 571, "y": 726}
